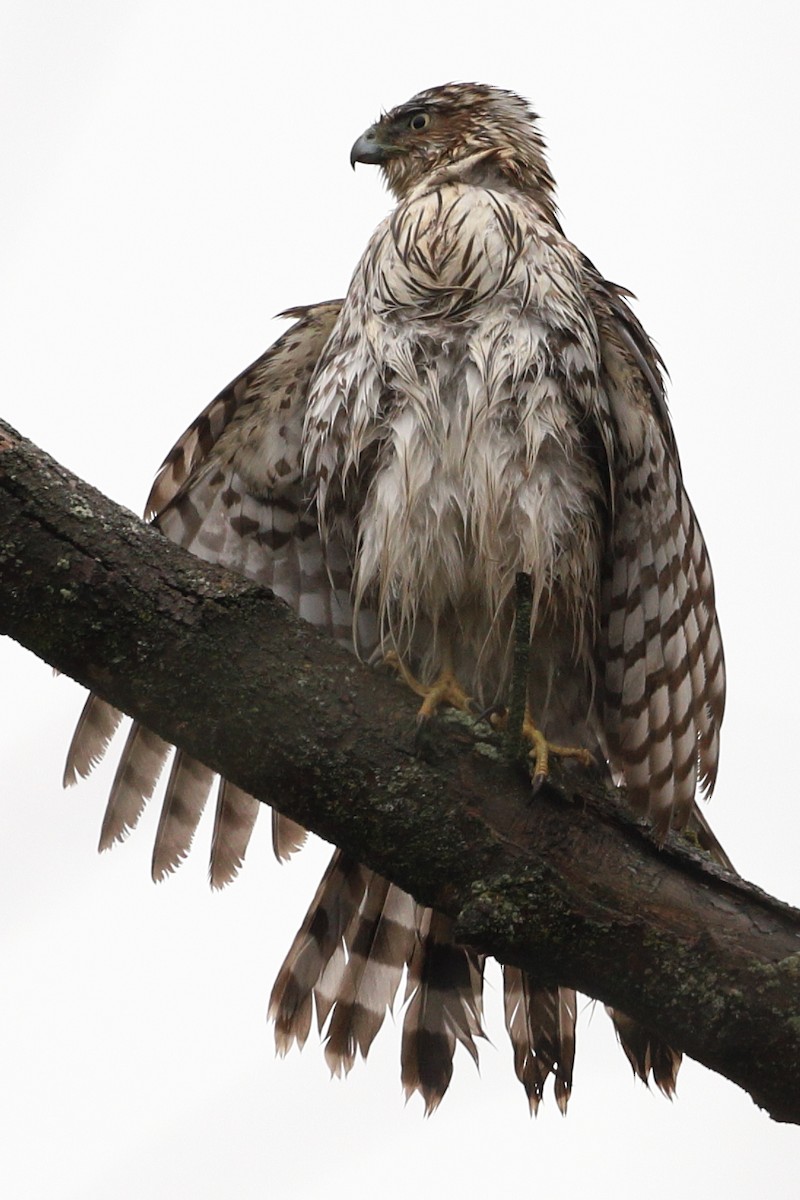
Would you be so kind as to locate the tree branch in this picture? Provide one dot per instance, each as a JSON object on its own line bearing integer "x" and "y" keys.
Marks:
{"x": 564, "y": 885}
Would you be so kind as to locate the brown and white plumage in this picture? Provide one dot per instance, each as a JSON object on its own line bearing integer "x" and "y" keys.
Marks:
{"x": 230, "y": 491}
{"x": 481, "y": 403}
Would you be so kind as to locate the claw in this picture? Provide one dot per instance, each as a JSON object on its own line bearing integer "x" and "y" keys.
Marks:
{"x": 542, "y": 750}
{"x": 446, "y": 689}
{"x": 496, "y": 715}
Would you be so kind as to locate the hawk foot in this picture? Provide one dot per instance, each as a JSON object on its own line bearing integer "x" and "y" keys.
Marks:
{"x": 445, "y": 690}
{"x": 542, "y": 750}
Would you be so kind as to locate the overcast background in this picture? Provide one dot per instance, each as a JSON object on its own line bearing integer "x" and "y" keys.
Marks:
{"x": 173, "y": 175}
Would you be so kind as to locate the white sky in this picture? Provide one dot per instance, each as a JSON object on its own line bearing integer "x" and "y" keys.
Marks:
{"x": 176, "y": 173}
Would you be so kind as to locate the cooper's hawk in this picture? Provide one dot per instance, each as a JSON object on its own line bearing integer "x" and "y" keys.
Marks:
{"x": 482, "y": 403}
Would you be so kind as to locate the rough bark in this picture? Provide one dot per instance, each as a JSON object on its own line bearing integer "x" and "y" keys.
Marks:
{"x": 563, "y": 884}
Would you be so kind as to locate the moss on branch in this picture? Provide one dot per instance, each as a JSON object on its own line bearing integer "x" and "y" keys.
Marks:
{"x": 565, "y": 883}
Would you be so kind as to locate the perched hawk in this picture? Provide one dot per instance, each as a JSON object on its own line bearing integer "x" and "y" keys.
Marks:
{"x": 482, "y": 403}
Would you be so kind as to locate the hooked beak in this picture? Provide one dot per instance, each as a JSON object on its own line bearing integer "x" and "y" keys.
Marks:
{"x": 367, "y": 149}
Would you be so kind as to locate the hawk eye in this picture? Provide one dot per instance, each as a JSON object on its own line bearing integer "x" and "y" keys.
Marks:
{"x": 420, "y": 120}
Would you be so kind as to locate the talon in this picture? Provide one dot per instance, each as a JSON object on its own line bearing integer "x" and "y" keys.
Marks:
{"x": 446, "y": 689}
{"x": 539, "y": 753}
{"x": 542, "y": 750}
{"x": 496, "y": 715}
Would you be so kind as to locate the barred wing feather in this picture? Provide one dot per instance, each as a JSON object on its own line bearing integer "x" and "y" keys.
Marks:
{"x": 230, "y": 492}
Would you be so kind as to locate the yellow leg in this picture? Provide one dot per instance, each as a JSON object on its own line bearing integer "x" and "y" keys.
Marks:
{"x": 542, "y": 750}
{"x": 446, "y": 689}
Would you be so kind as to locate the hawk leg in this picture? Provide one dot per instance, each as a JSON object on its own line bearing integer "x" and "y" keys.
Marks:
{"x": 444, "y": 690}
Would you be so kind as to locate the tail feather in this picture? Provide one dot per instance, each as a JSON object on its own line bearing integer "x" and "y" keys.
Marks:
{"x": 699, "y": 826}
{"x": 184, "y": 801}
{"x": 541, "y": 1025}
{"x": 647, "y": 1052}
{"x": 445, "y": 985}
{"x": 379, "y": 943}
{"x": 347, "y": 962}
{"x": 337, "y": 899}
{"x": 356, "y": 936}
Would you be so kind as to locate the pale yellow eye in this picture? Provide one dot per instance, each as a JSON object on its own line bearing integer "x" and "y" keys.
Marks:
{"x": 420, "y": 120}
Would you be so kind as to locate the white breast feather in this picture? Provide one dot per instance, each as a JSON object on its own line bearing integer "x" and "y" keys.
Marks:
{"x": 447, "y": 365}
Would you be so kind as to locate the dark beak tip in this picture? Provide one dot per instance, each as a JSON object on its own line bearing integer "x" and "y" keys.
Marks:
{"x": 367, "y": 149}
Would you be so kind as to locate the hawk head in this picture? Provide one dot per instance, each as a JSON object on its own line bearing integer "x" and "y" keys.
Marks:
{"x": 447, "y": 124}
